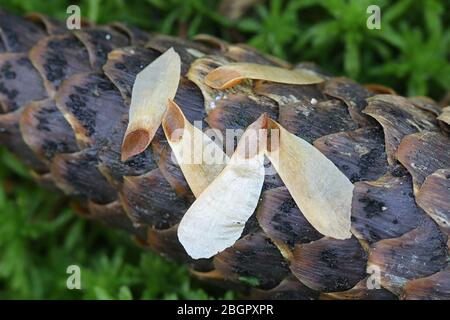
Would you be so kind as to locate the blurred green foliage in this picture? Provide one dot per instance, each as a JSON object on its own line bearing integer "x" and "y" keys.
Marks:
{"x": 40, "y": 236}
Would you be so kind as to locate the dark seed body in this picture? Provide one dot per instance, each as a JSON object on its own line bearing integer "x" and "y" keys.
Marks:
{"x": 64, "y": 101}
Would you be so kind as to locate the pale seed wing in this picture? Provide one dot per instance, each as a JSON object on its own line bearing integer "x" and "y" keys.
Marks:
{"x": 217, "y": 218}
{"x": 231, "y": 74}
{"x": 445, "y": 115}
{"x": 152, "y": 88}
{"x": 200, "y": 159}
{"x": 320, "y": 190}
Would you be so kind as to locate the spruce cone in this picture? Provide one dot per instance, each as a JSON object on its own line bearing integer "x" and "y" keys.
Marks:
{"x": 64, "y": 99}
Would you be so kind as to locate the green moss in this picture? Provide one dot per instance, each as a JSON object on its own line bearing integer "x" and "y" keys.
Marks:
{"x": 251, "y": 281}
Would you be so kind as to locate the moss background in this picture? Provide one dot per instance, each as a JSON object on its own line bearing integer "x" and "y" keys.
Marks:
{"x": 40, "y": 236}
